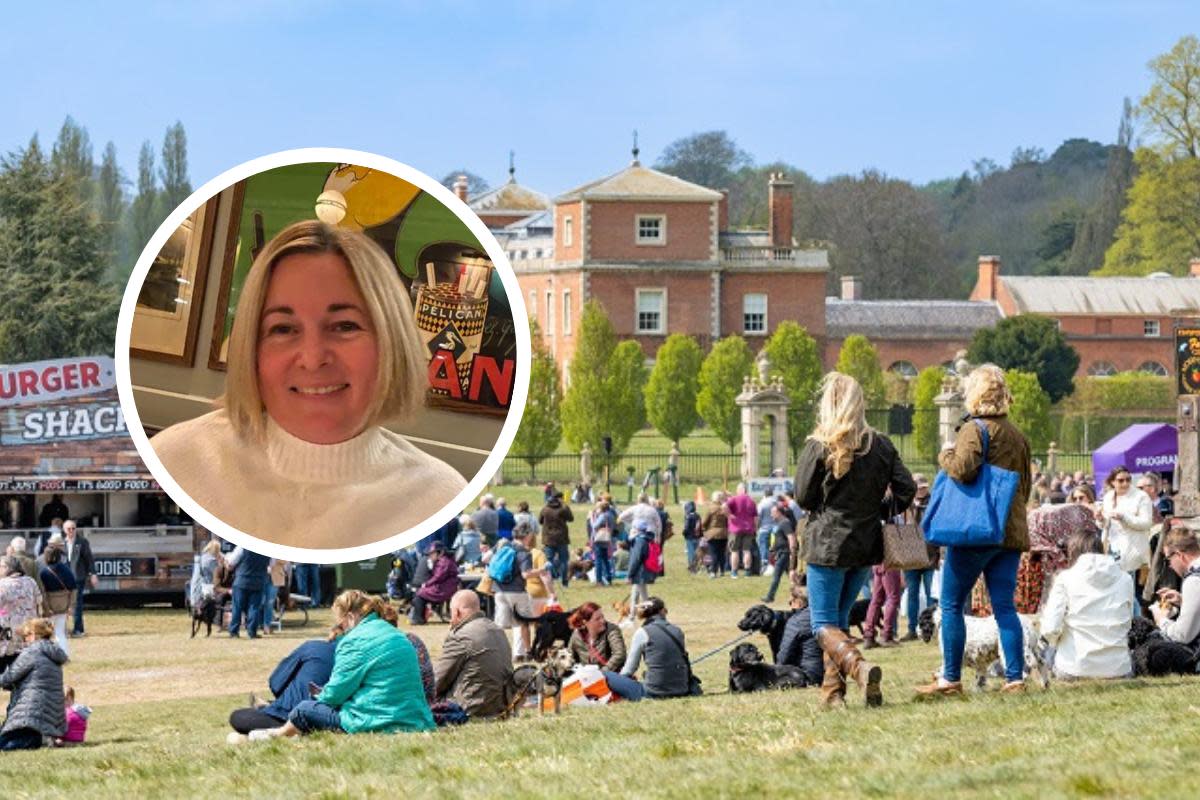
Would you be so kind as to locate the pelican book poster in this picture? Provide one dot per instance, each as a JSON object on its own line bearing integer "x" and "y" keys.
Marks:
{"x": 461, "y": 310}
{"x": 1187, "y": 358}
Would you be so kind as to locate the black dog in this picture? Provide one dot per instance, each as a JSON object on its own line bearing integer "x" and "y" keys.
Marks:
{"x": 768, "y": 622}
{"x": 1154, "y": 654}
{"x": 749, "y": 673}
{"x": 858, "y": 615}
{"x": 205, "y": 614}
{"x": 551, "y": 627}
{"x": 925, "y": 624}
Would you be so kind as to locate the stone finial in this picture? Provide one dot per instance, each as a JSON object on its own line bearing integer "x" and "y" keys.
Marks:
{"x": 961, "y": 365}
{"x": 764, "y": 368}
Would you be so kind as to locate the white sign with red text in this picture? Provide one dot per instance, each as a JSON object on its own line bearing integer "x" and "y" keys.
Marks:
{"x": 39, "y": 382}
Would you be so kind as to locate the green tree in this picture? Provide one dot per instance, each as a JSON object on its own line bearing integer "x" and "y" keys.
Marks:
{"x": 1029, "y": 343}
{"x": 144, "y": 215}
{"x": 672, "y": 387}
{"x": 71, "y": 157}
{"x": 174, "y": 171}
{"x": 1099, "y": 225}
{"x": 607, "y": 379}
{"x": 860, "y": 361}
{"x": 1030, "y": 410}
{"x": 475, "y": 184}
{"x": 796, "y": 360}
{"x": 625, "y": 383}
{"x": 541, "y": 424}
{"x": 722, "y": 374}
{"x": 50, "y": 266}
{"x": 1160, "y": 226}
{"x": 709, "y": 159}
{"x": 110, "y": 207}
{"x": 926, "y": 387}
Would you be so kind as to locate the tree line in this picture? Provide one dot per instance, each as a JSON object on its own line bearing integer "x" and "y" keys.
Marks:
{"x": 1125, "y": 208}
{"x": 70, "y": 231}
{"x": 612, "y": 394}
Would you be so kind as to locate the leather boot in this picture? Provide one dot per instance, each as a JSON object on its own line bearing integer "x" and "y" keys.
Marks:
{"x": 852, "y": 665}
{"x": 833, "y": 688}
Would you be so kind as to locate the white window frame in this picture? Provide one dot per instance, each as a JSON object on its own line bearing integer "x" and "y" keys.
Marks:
{"x": 745, "y": 312}
{"x": 568, "y": 233}
{"x": 1158, "y": 369}
{"x": 566, "y": 312}
{"x": 1151, "y": 328}
{"x": 660, "y": 240}
{"x": 662, "y": 315}
{"x": 549, "y": 312}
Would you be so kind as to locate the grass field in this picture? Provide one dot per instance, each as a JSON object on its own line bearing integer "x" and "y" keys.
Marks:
{"x": 162, "y": 701}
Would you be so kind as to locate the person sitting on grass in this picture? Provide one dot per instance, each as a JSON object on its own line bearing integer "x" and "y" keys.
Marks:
{"x": 77, "y": 720}
{"x": 37, "y": 709}
{"x": 1088, "y": 613}
{"x": 375, "y": 685}
{"x": 661, "y": 644}
{"x": 310, "y": 664}
{"x": 475, "y": 667}
{"x": 598, "y": 642}
{"x": 1181, "y": 553}
{"x": 799, "y": 646}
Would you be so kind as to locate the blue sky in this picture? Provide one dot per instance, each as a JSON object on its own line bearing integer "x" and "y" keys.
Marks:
{"x": 918, "y": 90}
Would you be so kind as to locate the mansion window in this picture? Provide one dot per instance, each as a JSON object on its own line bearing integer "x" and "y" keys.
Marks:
{"x": 549, "y": 313}
{"x": 905, "y": 369}
{"x": 1154, "y": 368}
{"x": 651, "y": 229}
{"x": 1102, "y": 369}
{"x": 566, "y": 312}
{"x": 754, "y": 313}
{"x": 568, "y": 231}
{"x": 1150, "y": 327}
{"x": 533, "y": 304}
{"x": 651, "y": 311}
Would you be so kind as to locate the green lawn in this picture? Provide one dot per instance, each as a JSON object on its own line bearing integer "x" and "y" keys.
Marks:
{"x": 161, "y": 702}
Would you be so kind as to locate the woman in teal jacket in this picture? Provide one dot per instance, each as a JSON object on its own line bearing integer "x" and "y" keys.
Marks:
{"x": 376, "y": 681}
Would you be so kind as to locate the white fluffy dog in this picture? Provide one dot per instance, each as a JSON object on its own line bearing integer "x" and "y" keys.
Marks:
{"x": 982, "y": 650}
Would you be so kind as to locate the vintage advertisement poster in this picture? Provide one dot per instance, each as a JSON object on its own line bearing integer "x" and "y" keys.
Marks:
{"x": 461, "y": 309}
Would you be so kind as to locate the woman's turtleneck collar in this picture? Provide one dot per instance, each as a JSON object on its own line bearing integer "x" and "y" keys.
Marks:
{"x": 351, "y": 460}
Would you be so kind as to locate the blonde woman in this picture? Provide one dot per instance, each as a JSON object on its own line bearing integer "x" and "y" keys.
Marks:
{"x": 845, "y": 470}
{"x": 323, "y": 352}
{"x": 987, "y": 400}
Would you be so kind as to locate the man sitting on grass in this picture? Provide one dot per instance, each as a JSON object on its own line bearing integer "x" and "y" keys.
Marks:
{"x": 1181, "y": 552}
{"x": 475, "y": 667}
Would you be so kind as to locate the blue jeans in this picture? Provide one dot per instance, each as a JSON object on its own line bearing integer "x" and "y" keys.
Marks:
{"x": 267, "y": 615}
{"x": 603, "y": 565}
{"x": 764, "y": 545}
{"x": 781, "y": 568}
{"x": 914, "y": 581}
{"x": 248, "y": 602}
{"x": 559, "y": 556}
{"x": 310, "y": 716}
{"x": 623, "y": 686}
{"x": 831, "y": 592}
{"x": 692, "y": 546}
{"x": 308, "y": 582}
{"x": 961, "y": 568}
{"x": 79, "y": 607}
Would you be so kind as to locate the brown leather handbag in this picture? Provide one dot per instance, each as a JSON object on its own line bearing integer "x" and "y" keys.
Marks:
{"x": 904, "y": 545}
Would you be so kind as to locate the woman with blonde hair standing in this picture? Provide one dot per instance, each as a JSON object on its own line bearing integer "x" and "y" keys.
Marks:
{"x": 845, "y": 470}
{"x": 989, "y": 436}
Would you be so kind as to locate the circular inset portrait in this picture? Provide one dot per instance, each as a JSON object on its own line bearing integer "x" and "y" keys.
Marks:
{"x": 322, "y": 355}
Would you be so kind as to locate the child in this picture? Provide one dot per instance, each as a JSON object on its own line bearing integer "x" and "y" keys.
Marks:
{"x": 77, "y": 720}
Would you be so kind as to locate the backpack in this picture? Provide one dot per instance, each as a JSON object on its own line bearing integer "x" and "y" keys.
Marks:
{"x": 503, "y": 564}
{"x": 654, "y": 558}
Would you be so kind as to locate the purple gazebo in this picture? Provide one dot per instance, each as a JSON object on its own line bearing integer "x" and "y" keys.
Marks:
{"x": 1144, "y": 447}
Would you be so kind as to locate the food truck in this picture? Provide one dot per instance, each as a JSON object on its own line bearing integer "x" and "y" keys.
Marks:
{"x": 65, "y": 453}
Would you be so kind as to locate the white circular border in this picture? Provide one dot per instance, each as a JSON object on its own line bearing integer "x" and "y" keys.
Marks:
{"x": 335, "y": 155}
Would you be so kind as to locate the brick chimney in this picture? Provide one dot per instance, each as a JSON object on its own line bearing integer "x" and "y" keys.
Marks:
{"x": 779, "y": 201}
{"x": 460, "y": 187}
{"x": 1194, "y": 268}
{"x": 851, "y": 287}
{"x": 723, "y": 211}
{"x": 989, "y": 278}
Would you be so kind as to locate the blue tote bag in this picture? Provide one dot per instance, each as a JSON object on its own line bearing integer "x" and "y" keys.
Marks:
{"x": 970, "y": 514}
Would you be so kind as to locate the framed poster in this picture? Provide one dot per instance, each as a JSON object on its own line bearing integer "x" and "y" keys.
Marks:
{"x": 166, "y": 319}
{"x": 462, "y": 311}
{"x": 1187, "y": 357}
